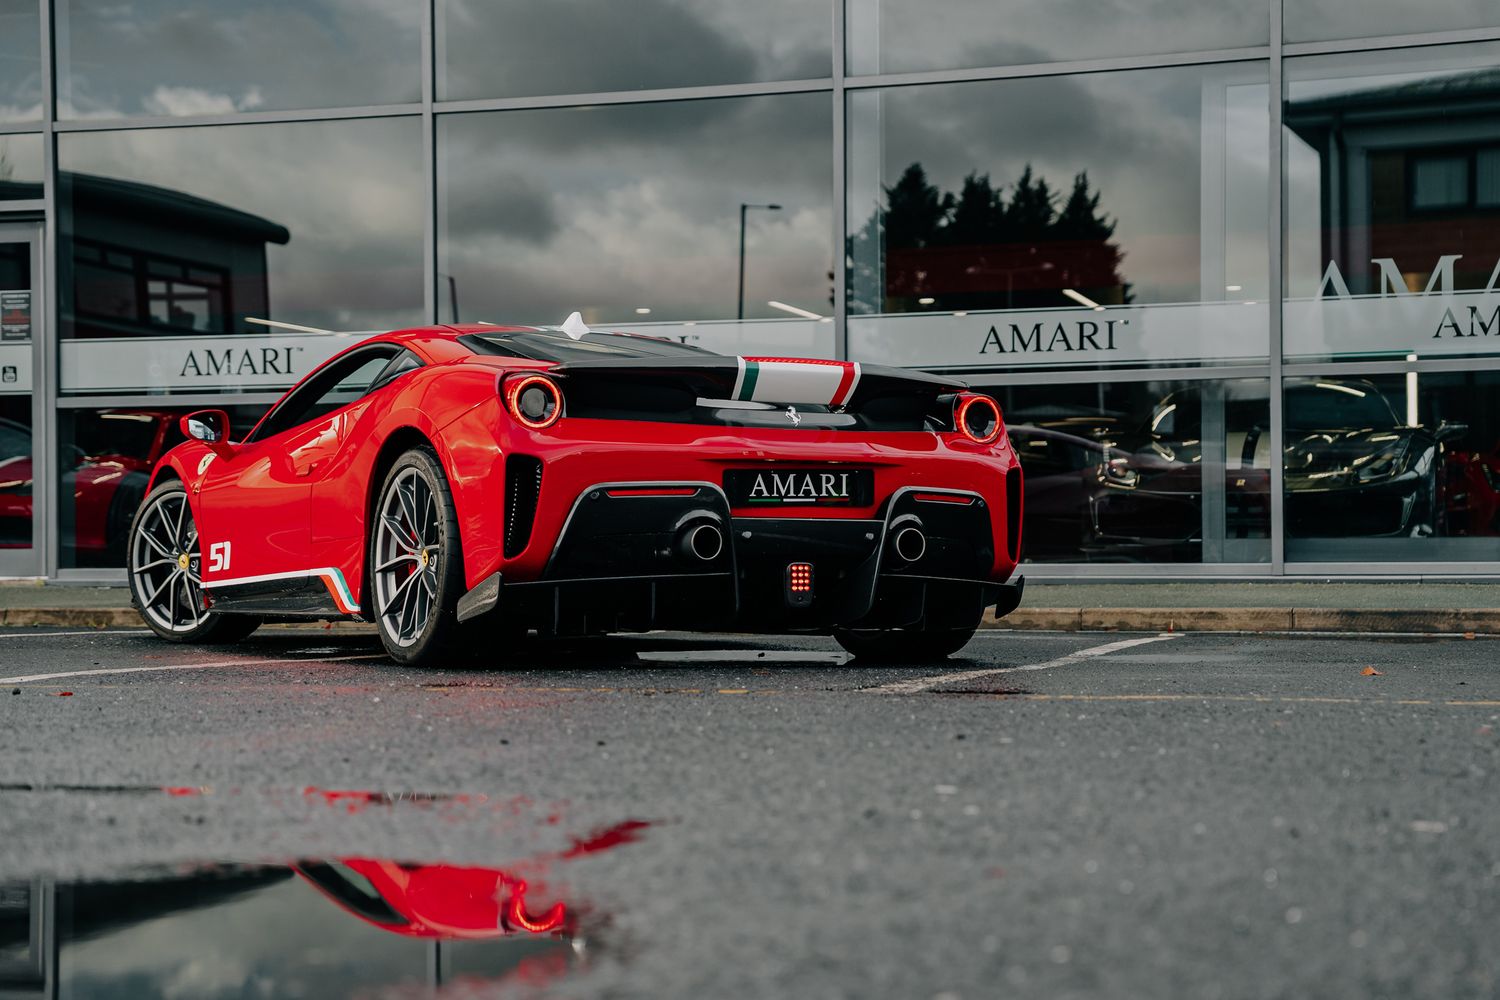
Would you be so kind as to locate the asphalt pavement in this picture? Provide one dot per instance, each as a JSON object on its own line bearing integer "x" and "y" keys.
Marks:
{"x": 1046, "y": 815}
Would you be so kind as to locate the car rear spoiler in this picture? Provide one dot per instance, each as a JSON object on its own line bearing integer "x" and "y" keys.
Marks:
{"x": 848, "y": 385}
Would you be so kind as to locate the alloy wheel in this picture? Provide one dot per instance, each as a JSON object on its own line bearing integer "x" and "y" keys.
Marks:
{"x": 165, "y": 564}
{"x": 407, "y": 550}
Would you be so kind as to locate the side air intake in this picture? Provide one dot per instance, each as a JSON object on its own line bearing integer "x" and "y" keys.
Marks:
{"x": 1013, "y": 513}
{"x": 523, "y": 484}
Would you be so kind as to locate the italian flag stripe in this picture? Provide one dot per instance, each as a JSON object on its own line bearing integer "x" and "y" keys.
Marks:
{"x": 796, "y": 380}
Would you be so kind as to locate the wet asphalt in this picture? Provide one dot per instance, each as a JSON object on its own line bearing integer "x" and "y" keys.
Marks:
{"x": 1194, "y": 816}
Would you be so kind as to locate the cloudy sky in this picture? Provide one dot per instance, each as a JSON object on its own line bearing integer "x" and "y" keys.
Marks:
{"x": 350, "y": 192}
{"x": 20, "y": 64}
{"x": 510, "y": 48}
{"x": 156, "y": 57}
{"x": 897, "y": 36}
{"x": 1146, "y": 138}
{"x": 610, "y": 209}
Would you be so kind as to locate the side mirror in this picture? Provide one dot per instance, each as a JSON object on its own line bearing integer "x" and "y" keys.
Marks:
{"x": 1448, "y": 431}
{"x": 212, "y": 428}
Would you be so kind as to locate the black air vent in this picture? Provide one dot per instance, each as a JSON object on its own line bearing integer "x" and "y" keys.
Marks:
{"x": 523, "y": 484}
{"x": 1013, "y": 513}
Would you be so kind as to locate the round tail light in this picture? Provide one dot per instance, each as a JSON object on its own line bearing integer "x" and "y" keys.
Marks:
{"x": 534, "y": 400}
{"x": 978, "y": 417}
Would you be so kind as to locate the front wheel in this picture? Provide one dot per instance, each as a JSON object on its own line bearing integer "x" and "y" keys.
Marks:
{"x": 164, "y": 566}
{"x": 904, "y": 645}
{"x": 415, "y": 560}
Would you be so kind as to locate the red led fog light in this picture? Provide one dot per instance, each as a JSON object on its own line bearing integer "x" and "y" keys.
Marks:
{"x": 799, "y": 584}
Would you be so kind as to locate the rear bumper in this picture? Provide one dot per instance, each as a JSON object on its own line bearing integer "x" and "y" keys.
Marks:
{"x": 634, "y": 556}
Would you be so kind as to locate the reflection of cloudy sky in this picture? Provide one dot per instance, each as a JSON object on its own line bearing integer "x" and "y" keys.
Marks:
{"x": 20, "y": 63}
{"x": 612, "y": 208}
{"x": 1319, "y": 20}
{"x": 349, "y": 191}
{"x": 894, "y": 36}
{"x": 1140, "y": 136}
{"x": 508, "y": 48}
{"x": 156, "y": 57}
{"x": 21, "y": 158}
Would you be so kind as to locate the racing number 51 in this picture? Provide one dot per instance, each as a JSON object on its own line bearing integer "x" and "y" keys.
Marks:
{"x": 218, "y": 557}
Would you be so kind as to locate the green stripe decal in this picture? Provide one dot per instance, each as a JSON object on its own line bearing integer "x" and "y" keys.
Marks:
{"x": 747, "y": 387}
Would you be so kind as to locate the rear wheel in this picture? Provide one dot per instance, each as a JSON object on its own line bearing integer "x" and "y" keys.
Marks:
{"x": 904, "y": 645}
{"x": 415, "y": 560}
{"x": 164, "y": 567}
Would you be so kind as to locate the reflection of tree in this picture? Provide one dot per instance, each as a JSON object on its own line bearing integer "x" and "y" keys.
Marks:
{"x": 981, "y": 250}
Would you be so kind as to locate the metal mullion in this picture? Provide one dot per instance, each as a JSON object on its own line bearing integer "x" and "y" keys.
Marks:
{"x": 1276, "y": 226}
{"x": 840, "y": 185}
{"x": 45, "y": 336}
{"x": 635, "y": 96}
{"x": 429, "y": 167}
{"x": 1393, "y": 367}
{"x": 1069, "y": 68}
{"x": 1074, "y": 376}
{"x": 239, "y": 118}
{"x": 12, "y": 210}
{"x": 1392, "y": 42}
{"x": 20, "y": 128}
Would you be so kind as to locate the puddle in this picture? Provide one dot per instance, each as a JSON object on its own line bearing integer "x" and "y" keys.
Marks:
{"x": 307, "y": 928}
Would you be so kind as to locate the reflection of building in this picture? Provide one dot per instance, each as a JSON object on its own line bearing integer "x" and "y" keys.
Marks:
{"x": 150, "y": 261}
{"x": 1408, "y": 172}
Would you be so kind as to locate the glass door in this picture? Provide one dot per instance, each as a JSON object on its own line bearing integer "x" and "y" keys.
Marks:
{"x": 20, "y": 319}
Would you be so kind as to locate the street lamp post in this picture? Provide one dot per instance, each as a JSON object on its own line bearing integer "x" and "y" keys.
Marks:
{"x": 740, "y": 312}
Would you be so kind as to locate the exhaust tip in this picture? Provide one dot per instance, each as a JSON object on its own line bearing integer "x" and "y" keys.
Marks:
{"x": 909, "y": 544}
{"x": 703, "y": 542}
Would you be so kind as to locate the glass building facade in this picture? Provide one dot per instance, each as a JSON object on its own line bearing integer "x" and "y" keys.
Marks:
{"x": 1231, "y": 269}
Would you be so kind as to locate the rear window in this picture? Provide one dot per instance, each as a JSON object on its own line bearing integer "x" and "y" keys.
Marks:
{"x": 545, "y": 345}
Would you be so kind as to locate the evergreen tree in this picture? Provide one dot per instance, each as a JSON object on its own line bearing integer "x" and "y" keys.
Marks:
{"x": 1080, "y": 218}
{"x": 916, "y": 211}
{"x": 1031, "y": 210}
{"x": 978, "y": 214}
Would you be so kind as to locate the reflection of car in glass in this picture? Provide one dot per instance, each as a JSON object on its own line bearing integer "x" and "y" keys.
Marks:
{"x": 433, "y": 901}
{"x": 15, "y": 485}
{"x": 105, "y": 482}
{"x": 1150, "y": 503}
{"x": 1062, "y": 473}
{"x": 574, "y": 483}
{"x": 1353, "y": 468}
{"x": 1472, "y": 485}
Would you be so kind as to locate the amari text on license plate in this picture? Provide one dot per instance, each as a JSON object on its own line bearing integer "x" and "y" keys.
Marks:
{"x": 830, "y": 486}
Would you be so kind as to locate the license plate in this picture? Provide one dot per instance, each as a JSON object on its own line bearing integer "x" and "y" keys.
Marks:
{"x": 781, "y": 487}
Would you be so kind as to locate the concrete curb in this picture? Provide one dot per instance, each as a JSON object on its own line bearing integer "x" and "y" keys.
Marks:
{"x": 1435, "y": 620}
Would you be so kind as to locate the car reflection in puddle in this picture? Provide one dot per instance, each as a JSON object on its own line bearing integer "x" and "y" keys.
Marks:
{"x": 310, "y": 928}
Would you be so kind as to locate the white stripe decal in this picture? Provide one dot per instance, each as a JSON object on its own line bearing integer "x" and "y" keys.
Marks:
{"x": 332, "y": 577}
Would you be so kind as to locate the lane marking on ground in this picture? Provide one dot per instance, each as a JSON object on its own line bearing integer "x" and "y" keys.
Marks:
{"x": 59, "y": 635}
{"x": 29, "y": 678}
{"x": 920, "y": 684}
{"x": 1243, "y": 698}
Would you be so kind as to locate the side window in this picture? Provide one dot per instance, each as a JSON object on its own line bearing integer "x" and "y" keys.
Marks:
{"x": 338, "y": 385}
{"x": 402, "y": 363}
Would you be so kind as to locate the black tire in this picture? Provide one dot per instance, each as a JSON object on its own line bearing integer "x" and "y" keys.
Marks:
{"x": 904, "y": 645}
{"x": 162, "y": 565}
{"x": 415, "y": 561}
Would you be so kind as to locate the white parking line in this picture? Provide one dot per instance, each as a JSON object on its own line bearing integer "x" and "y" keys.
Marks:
{"x": 92, "y": 631}
{"x": 924, "y": 683}
{"x": 28, "y": 678}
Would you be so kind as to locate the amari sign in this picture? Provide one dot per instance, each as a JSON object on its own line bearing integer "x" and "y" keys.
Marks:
{"x": 1223, "y": 332}
{"x": 193, "y": 364}
{"x": 1398, "y": 320}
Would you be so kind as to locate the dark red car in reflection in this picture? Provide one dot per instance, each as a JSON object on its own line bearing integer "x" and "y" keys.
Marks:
{"x": 1473, "y": 492}
{"x": 102, "y": 486}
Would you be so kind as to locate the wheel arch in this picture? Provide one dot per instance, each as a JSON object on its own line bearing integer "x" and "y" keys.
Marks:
{"x": 397, "y": 443}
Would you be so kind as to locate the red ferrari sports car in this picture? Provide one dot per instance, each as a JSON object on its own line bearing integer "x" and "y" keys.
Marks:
{"x": 457, "y": 483}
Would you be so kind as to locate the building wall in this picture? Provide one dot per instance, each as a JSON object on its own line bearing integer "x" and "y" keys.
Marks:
{"x": 1231, "y": 269}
